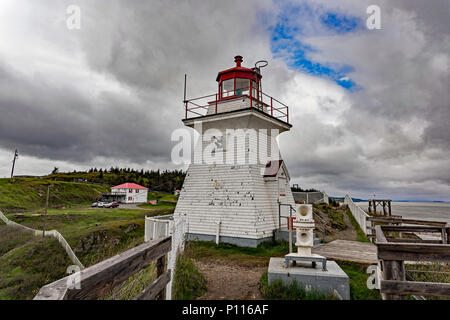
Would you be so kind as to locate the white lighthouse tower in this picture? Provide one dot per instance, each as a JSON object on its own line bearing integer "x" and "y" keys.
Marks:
{"x": 237, "y": 183}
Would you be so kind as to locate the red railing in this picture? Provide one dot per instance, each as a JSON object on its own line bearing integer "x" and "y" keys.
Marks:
{"x": 198, "y": 107}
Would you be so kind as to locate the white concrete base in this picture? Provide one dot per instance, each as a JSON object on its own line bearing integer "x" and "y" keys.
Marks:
{"x": 311, "y": 278}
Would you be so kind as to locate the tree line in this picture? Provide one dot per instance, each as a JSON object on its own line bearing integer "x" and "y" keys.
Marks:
{"x": 157, "y": 180}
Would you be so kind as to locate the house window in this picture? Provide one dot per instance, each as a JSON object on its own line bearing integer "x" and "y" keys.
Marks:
{"x": 137, "y": 190}
{"x": 130, "y": 190}
{"x": 130, "y": 198}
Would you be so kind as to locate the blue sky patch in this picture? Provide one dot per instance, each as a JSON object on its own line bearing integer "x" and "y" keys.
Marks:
{"x": 294, "y": 22}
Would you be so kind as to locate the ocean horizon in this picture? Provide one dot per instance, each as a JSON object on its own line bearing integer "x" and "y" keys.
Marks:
{"x": 421, "y": 210}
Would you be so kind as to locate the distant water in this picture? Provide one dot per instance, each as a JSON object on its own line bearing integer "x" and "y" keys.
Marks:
{"x": 436, "y": 211}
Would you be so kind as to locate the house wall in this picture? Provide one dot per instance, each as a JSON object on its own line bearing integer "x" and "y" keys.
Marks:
{"x": 140, "y": 197}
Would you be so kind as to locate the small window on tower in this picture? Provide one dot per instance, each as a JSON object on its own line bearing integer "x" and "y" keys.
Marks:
{"x": 228, "y": 88}
{"x": 242, "y": 86}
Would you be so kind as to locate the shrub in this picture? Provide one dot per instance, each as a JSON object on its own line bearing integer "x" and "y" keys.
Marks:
{"x": 188, "y": 282}
{"x": 360, "y": 236}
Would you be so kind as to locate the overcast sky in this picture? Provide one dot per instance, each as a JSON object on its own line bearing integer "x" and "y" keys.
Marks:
{"x": 370, "y": 108}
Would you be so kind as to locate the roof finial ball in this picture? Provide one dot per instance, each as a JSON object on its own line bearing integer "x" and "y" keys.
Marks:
{"x": 238, "y": 60}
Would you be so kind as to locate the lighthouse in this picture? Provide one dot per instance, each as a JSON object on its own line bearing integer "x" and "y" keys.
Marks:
{"x": 237, "y": 186}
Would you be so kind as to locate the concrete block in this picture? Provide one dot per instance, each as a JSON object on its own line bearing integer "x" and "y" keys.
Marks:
{"x": 314, "y": 278}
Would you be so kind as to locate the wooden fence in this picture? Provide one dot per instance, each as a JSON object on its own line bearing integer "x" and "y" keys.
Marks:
{"x": 393, "y": 250}
{"x": 432, "y": 226}
{"x": 96, "y": 281}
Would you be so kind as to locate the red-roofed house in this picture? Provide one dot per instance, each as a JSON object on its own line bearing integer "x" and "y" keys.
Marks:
{"x": 131, "y": 192}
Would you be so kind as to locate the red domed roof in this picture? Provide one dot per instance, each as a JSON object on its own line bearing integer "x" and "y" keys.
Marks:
{"x": 238, "y": 72}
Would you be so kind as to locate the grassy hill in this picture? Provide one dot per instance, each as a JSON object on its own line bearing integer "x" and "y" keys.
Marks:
{"x": 28, "y": 262}
{"x": 20, "y": 194}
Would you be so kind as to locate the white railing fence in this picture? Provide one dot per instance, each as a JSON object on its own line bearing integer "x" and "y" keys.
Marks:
{"x": 163, "y": 226}
{"x": 360, "y": 215}
{"x": 52, "y": 233}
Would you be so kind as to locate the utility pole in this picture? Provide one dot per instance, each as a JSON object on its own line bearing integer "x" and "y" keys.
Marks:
{"x": 16, "y": 155}
{"x": 46, "y": 207}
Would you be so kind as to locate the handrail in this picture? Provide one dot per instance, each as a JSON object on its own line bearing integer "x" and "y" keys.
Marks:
{"x": 52, "y": 233}
{"x": 95, "y": 280}
{"x": 360, "y": 216}
{"x": 275, "y": 109}
{"x": 392, "y": 253}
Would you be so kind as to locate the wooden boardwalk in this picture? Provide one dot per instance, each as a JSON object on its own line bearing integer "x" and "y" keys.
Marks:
{"x": 363, "y": 252}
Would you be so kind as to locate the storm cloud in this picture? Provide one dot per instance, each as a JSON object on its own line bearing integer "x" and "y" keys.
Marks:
{"x": 110, "y": 93}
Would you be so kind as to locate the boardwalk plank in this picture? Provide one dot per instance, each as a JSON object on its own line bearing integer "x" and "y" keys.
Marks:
{"x": 362, "y": 252}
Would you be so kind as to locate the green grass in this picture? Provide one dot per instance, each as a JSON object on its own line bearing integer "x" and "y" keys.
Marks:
{"x": 134, "y": 285}
{"x": 358, "y": 281}
{"x": 33, "y": 262}
{"x": 335, "y": 215}
{"x": 161, "y": 205}
{"x": 20, "y": 194}
{"x": 277, "y": 290}
{"x": 94, "y": 235}
{"x": 259, "y": 255}
{"x": 188, "y": 282}
{"x": 360, "y": 236}
{"x": 162, "y": 196}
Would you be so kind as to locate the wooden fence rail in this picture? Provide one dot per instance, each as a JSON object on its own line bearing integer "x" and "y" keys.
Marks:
{"x": 392, "y": 253}
{"x": 95, "y": 281}
{"x": 425, "y": 226}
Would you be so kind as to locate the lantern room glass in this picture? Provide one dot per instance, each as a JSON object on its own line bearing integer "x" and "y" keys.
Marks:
{"x": 227, "y": 88}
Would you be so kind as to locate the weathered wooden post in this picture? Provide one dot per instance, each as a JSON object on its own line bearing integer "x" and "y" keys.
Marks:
{"x": 389, "y": 207}
{"x": 448, "y": 232}
{"x": 393, "y": 270}
{"x": 160, "y": 268}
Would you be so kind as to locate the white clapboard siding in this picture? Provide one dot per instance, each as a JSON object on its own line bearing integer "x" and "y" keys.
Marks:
{"x": 237, "y": 196}
{"x": 235, "y": 193}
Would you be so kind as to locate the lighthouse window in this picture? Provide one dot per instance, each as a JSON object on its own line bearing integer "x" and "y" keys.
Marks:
{"x": 228, "y": 88}
{"x": 242, "y": 86}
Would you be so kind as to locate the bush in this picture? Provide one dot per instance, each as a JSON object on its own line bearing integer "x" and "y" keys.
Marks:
{"x": 358, "y": 281}
{"x": 188, "y": 282}
{"x": 360, "y": 236}
{"x": 337, "y": 219}
{"x": 277, "y": 290}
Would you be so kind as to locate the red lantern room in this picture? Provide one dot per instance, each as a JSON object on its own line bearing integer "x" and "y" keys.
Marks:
{"x": 239, "y": 89}
{"x": 239, "y": 81}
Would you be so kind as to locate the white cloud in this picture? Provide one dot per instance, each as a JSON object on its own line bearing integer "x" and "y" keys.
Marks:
{"x": 110, "y": 93}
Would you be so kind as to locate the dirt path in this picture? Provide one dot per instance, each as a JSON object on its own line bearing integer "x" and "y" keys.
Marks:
{"x": 230, "y": 281}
